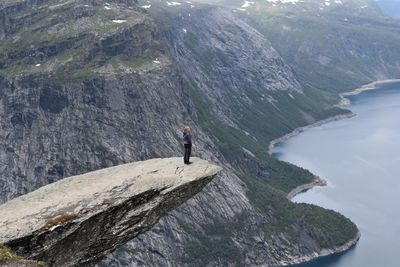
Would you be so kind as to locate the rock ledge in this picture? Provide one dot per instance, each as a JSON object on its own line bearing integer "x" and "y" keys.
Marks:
{"x": 80, "y": 219}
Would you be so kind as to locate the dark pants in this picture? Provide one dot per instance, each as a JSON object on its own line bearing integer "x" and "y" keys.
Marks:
{"x": 188, "y": 151}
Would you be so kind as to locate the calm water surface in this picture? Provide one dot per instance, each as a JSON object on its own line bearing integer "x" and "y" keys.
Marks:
{"x": 360, "y": 159}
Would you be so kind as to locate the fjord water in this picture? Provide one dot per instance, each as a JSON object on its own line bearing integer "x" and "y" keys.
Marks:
{"x": 360, "y": 159}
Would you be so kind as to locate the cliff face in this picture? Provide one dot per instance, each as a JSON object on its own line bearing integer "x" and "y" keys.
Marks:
{"x": 334, "y": 46}
{"x": 76, "y": 96}
{"x": 91, "y": 84}
{"x": 236, "y": 80}
{"x": 78, "y": 220}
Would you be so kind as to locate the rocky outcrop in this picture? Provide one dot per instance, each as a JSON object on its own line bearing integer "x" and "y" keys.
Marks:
{"x": 76, "y": 221}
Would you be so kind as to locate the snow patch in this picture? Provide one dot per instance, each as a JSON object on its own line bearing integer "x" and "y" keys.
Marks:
{"x": 247, "y": 4}
{"x": 37, "y": 65}
{"x": 119, "y": 20}
{"x": 293, "y": 2}
{"x": 184, "y": 30}
{"x": 173, "y": 3}
{"x": 338, "y": 2}
{"x": 146, "y": 6}
{"x": 156, "y": 61}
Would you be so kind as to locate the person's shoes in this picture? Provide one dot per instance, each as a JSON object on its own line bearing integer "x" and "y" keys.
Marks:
{"x": 188, "y": 162}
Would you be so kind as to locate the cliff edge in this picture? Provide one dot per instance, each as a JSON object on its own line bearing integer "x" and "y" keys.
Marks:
{"x": 80, "y": 219}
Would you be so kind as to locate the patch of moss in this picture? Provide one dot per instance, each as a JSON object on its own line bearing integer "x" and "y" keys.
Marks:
{"x": 6, "y": 254}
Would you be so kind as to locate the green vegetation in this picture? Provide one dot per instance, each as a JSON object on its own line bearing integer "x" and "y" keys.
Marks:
{"x": 71, "y": 42}
{"x": 90, "y": 44}
{"x": 328, "y": 227}
{"x": 7, "y": 254}
{"x": 268, "y": 179}
{"x": 215, "y": 240}
{"x": 335, "y": 49}
{"x": 234, "y": 142}
{"x": 214, "y": 244}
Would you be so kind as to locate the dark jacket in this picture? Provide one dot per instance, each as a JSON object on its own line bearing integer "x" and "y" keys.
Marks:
{"x": 187, "y": 138}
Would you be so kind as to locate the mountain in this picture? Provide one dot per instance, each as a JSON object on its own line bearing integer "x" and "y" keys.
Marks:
{"x": 91, "y": 84}
{"x": 331, "y": 45}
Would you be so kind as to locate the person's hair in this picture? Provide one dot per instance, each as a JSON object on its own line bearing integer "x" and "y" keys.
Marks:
{"x": 186, "y": 128}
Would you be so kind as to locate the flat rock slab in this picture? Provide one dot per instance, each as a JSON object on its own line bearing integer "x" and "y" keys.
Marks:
{"x": 78, "y": 220}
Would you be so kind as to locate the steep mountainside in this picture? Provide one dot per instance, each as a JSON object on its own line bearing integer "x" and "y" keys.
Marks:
{"x": 90, "y": 84}
{"x": 331, "y": 45}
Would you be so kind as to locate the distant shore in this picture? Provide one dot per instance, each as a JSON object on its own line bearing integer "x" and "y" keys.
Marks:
{"x": 343, "y": 102}
{"x": 366, "y": 87}
{"x": 303, "y": 128}
{"x": 317, "y": 181}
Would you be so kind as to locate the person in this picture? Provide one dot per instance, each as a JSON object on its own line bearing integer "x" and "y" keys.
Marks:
{"x": 187, "y": 143}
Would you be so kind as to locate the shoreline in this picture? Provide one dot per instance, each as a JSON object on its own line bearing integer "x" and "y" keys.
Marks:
{"x": 325, "y": 252}
{"x": 317, "y": 181}
{"x": 342, "y": 102}
{"x": 366, "y": 87}
{"x": 305, "y": 187}
{"x": 301, "y": 129}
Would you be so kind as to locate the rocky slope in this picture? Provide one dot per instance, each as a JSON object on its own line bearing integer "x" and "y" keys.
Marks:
{"x": 331, "y": 45}
{"x": 91, "y": 84}
{"x": 236, "y": 79}
{"x": 78, "y": 220}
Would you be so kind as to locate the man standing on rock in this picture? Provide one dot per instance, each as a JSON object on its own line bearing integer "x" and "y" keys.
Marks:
{"x": 187, "y": 142}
